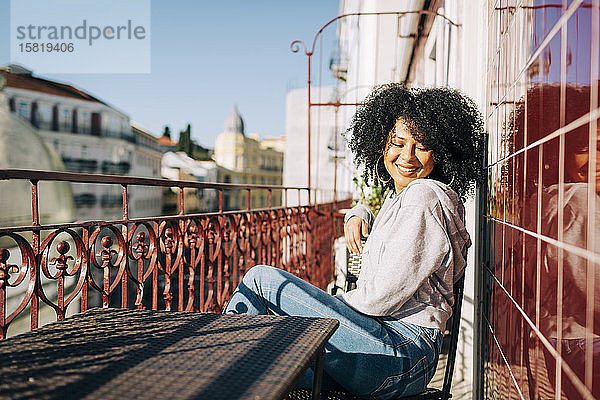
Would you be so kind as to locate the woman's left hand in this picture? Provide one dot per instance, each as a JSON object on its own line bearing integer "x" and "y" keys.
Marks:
{"x": 354, "y": 230}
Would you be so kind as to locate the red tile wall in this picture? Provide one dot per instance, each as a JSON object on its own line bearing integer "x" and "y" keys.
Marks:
{"x": 540, "y": 255}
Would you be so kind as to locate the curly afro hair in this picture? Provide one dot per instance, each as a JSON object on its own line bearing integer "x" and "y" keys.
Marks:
{"x": 542, "y": 116}
{"x": 441, "y": 119}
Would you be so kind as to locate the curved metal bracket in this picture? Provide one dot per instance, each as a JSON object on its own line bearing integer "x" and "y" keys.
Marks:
{"x": 295, "y": 48}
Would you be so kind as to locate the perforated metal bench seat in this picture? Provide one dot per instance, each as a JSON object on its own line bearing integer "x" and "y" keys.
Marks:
{"x": 305, "y": 394}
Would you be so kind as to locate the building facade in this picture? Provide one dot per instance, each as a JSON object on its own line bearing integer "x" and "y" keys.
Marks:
{"x": 180, "y": 166}
{"x": 23, "y": 148}
{"x": 90, "y": 137}
{"x": 248, "y": 160}
{"x": 330, "y": 170}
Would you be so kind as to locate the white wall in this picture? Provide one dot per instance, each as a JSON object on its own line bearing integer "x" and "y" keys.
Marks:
{"x": 323, "y": 129}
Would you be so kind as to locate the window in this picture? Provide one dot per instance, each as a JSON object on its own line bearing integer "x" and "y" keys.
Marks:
{"x": 65, "y": 119}
{"x": 84, "y": 121}
{"x": 23, "y": 110}
{"x": 114, "y": 127}
{"x": 45, "y": 111}
{"x": 96, "y": 124}
{"x": 335, "y": 144}
{"x": 126, "y": 130}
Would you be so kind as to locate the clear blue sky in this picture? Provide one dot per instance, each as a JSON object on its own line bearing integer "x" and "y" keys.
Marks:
{"x": 208, "y": 56}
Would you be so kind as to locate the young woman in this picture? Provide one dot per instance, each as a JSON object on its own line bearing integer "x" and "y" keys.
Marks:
{"x": 426, "y": 147}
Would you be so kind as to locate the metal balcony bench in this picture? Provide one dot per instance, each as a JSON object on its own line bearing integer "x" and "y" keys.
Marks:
{"x": 111, "y": 353}
{"x": 449, "y": 347}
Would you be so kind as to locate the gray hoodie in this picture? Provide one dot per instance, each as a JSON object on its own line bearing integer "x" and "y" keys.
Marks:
{"x": 575, "y": 269}
{"x": 415, "y": 251}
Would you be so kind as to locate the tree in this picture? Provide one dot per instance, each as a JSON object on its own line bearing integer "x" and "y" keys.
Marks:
{"x": 190, "y": 147}
{"x": 185, "y": 142}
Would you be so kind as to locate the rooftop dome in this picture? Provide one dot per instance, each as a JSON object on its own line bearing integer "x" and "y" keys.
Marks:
{"x": 234, "y": 123}
{"x": 23, "y": 148}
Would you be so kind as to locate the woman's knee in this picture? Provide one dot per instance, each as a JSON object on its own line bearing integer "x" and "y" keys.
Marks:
{"x": 260, "y": 274}
{"x": 257, "y": 272}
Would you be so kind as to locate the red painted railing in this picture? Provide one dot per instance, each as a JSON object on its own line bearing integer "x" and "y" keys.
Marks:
{"x": 186, "y": 262}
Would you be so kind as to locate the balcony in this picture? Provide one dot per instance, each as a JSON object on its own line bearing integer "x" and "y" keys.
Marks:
{"x": 84, "y": 199}
{"x": 184, "y": 262}
{"x": 115, "y": 168}
{"x": 273, "y": 168}
{"x": 111, "y": 200}
{"x": 339, "y": 67}
{"x": 80, "y": 165}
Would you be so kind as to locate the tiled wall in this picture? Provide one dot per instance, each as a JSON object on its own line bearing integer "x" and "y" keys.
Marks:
{"x": 540, "y": 255}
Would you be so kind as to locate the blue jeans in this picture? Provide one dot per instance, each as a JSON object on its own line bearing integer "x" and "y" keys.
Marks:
{"x": 374, "y": 357}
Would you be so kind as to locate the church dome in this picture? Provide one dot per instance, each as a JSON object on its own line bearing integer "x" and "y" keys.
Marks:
{"x": 234, "y": 123}
{"x": 23, "y": 148}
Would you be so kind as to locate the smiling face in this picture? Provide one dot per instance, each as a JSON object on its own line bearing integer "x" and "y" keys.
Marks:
{"x": 577, "y": 166}
{"x": 404, "y": 158}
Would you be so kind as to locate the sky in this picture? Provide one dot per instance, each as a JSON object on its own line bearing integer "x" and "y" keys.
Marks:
{"x": 206, "y": 57}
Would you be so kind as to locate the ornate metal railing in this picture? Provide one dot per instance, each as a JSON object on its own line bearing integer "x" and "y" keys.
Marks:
{"x": 185, "y": 262}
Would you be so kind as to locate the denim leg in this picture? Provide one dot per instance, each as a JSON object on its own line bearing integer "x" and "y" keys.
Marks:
{"x": 573, "y": 353}
{"x": 421, "y": 346}
{"x": 365, "y": 354}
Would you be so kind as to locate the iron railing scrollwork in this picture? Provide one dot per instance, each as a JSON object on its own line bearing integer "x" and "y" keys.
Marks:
{"x": 187, "y": 262}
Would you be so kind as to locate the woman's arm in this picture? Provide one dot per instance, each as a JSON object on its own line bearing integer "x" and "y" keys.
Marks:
{"x": 413, "y": 245}
{"x": 357, "y": 223}
{"x": 363, "y": 212}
